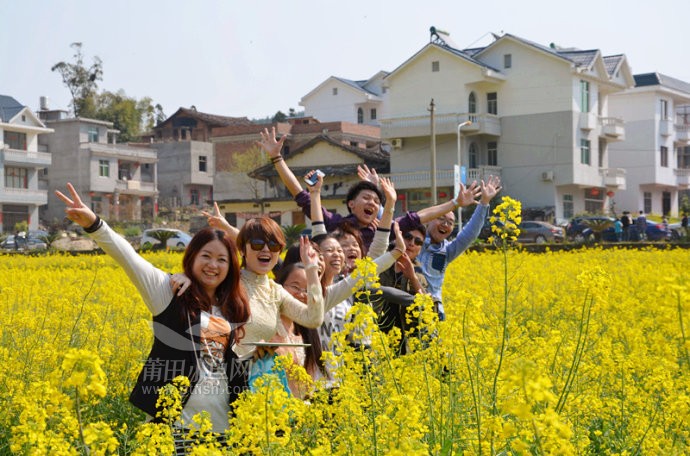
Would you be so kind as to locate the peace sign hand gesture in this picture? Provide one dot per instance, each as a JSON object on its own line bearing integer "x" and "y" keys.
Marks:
{"x": 76, "y": 210}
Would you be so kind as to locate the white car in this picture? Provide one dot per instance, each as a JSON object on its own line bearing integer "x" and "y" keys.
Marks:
{"x": 177, "y": 240}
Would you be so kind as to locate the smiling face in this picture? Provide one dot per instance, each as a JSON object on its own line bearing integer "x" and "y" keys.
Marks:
{"x": 333, "y": 256}
{"x": 365, "y": 206}
{"x": 413, "y": 243}
{"x": 351, "y": 250}
{"x": 440, "y": 228}
{"x": 259, "y": 262}
{"x": 296, "y": 284}
{"x": 211, "y": 266}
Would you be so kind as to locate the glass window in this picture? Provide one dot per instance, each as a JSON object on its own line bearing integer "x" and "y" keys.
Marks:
{"x": 507, "y": 60}
{"x": 492, "y": 154}
{"x": 584, "y": 96}
{"x": 202, "y": 163}
{"x": 568, "y": 207}
{"x": 684, "y": 157}
{"x": 664, "y": 156}
{"x": 492, "y": 103}
{"x": 472, "y": 103}
{"x": 16, "y": 177}
{"x": 373, "y": 114}
{"x": 92, "y": 133}
{"x": 647, "y": 202}
{"x": 15, "y": 140}
{"x": 360, "y": 116}
{"x": 103, "y": 168}
{"x": 474, "y": 156}
{"x": 664, "y": 110}
{"x": 335, "y": 91}
{"x": 585, "y": 152}
{"x": 435, "y": 66}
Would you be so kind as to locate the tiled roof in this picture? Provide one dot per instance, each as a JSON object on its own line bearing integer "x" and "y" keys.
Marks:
{"x": 650, "y": 79}
{"x": 212, "y": 120}
{"x": 469, "y": 57}
{"x": 9, "y": 107}
{"x": 611, "y": 62}
{"x": 376, "y": 157}
{"x": 359, "y": 85}
{"x": 580, "y": 58}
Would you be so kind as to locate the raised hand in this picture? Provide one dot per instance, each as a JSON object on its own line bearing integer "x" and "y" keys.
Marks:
{"x": 399, "y": 240}
{"x": 367, "y": 174}
{"x": 468, "y": 195}
{"x": 405, "y": 266}
{"x": 316, "y": 188}
{"x": 216, "y": 220}
{"x": 490, "y": 189}
{"x": 270, "y": 144}
{"x": 308, "y": 254}
{"x": 388, "y": 189}
{"x": 76, "y": 210}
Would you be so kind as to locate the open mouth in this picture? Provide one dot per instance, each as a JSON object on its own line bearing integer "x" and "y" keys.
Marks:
{"x": 443, "y": 231}
{"x": 369, "y": 212}
{"x": 264, "y": 259}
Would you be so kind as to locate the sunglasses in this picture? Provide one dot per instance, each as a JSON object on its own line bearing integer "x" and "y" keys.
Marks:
{"x": 258, "y": 245}
{"x": 417, "y": 240}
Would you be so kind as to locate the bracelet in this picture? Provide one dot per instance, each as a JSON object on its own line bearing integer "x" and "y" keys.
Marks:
{"x": 277, "y": 159}
{"x": 311, "y": 266}
{"x": 94, "y": 226}
{"x": 455, "y": 203}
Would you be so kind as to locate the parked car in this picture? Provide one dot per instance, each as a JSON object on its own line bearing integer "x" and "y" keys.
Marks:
{"x": 677, "y": 231}
{"x": 540, "y": 232}
{"x": 655, "y": 232}
{"x": 24, "y": 243}
{"x": 588, "y": 228}
{"x": 176, "y": 239}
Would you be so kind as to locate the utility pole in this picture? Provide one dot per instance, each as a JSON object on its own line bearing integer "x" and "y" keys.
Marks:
{"x": 434, "y": 193}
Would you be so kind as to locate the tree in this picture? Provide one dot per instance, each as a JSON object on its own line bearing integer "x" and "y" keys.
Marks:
{"x": 279, "y": 117}
{"x": 246, "y": 162}
{"x": 129, "y": 115}
{"x": 81, "y": 81}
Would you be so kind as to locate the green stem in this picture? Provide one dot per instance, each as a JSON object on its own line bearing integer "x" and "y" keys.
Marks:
{"x": 505, "y": 331}
{"x": 682, "y": 330}
{"x": 371, "y": 397}
{"x": 475, "y": 400}
{"x": 77, "y": 405}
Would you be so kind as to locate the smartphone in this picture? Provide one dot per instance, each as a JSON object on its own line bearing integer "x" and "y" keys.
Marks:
{"x": 313, "y": 179}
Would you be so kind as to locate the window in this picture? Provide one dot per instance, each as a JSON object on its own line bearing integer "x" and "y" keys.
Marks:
{"x": 492, "y": 103}
{"x": 584, "y": 96}
{"x": 103, "y": 168}
{"x": 335, "y": 91}
{"x": 472, "y": 103}
{"x": 664, "y": 110}
{"x": 15, "y": 140}
{"x": 474, "y": 156}
{"x": 664, "y": 156}
{"x": 194, "y": 197}
{"x": 360, "y": 116}
{"x": 202, "y": 163}
{"x": 602, "y": 153}
{"x": 92, "y": 134}
{"x": 97, "y": 204}
{"x": 568, "y": 207}
{"x": 647, "y": 196}
{"x": 435, "y": 66}
{"x": 585, "y": 151}
{"x": 373, "y": 113}
{"x": 684, "y": 157}
{"x": 354, "y": 144}
{"x": 16, "y": 177}
{"x": 507, "y": 60}
{"x": 384, "y": 89}
{"x": 492, "y": 154}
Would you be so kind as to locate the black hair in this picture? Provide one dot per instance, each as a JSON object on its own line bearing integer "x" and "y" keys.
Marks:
{"x": 361, "y": 186}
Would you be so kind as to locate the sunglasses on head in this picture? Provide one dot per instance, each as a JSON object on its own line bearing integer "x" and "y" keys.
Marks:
{"x": 258, "y": 245}
{"x": 417, "y": 240}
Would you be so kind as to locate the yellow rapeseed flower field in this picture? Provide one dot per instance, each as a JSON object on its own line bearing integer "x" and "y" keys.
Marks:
{"x": 581, "y": 352}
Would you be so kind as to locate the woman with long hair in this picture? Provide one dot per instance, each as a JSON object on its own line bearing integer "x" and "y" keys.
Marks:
{"x": 194, "y": 332}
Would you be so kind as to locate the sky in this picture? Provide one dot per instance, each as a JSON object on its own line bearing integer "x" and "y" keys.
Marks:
{"x": 254, "y": 58}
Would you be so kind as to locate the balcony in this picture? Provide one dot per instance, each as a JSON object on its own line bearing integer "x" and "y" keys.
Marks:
{"x": 9, "y": 195}
{"x": 588, "y": 121}
{"x": 612, "y": 128}
{"x": 613, "y": 178}
{"x": 666, "y": 127}
{"x": 683, "y": 133}
{"x": 14, "y": 157}
{"x": 444, "y": 177}
{"x": 122, "y": 152}
{"x": 682, "y": 177}
{"x": 445, "y": 124}
{"x": 135, "y": 187}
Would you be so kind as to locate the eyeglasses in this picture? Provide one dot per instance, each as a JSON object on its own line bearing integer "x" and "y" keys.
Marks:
{"x": 258, "y": 245}
{"x": 296, "y": 289}
{"x": 445, "y": 221}
{"x": 417, "y": 240}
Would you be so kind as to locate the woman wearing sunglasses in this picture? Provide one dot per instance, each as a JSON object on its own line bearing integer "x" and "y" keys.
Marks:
{"x": 260, "y": 242}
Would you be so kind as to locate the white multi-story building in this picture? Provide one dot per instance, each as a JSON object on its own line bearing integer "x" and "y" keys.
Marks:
{"x": 539, "y": 117}
{"x": 655, "y": 152}
{"x": 21, "y": 162}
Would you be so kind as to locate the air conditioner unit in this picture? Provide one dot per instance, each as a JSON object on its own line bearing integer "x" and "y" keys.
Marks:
{"x": 547, "y": 176}
{"x": 397, "y": 143}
